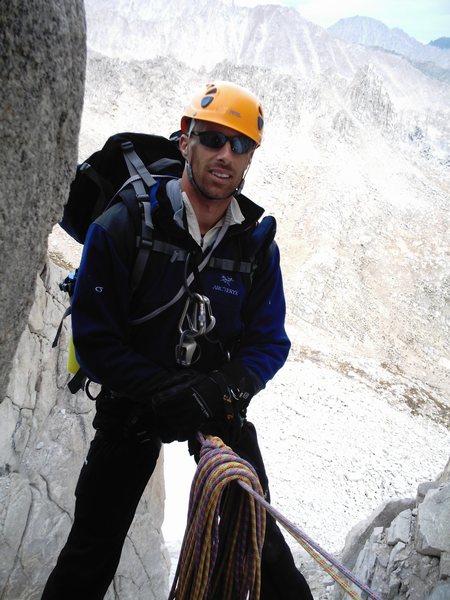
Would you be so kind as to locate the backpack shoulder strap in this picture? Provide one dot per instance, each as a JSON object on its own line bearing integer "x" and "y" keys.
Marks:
{"x": 262, "y": 240}
{"x": 140, "y": 210}
{"x": 135, "y": 164}
{"x": 264, "y": 233}
{"x": 260, "y": 246}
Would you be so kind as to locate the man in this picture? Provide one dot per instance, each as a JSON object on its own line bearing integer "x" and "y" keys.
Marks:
{"x": 187, "y": 349}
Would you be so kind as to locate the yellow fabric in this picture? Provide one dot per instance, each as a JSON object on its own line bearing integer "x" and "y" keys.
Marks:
{"x": 72, "y": 363}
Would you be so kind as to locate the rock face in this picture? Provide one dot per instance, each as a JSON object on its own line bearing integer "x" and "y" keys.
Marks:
{"x": 403, "y": 550}
{"x": 44, "y": 433}
{"x": 42, "y": 68}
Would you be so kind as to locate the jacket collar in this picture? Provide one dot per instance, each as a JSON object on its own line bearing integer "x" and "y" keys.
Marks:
{"x": 171, "y": 207}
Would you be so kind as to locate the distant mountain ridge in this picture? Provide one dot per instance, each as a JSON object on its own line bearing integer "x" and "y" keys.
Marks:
{"x": 203, "y": 34}
{"x": 268, "y": 36}
{"x": 442, "y": 42}
{"x": 373, "y": 33}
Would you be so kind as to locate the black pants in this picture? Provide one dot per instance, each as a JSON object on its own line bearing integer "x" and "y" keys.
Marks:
{"x": 110, "y": 486}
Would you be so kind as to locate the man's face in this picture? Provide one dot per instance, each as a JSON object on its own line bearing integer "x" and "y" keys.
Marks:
{"x": 217, "y": 171}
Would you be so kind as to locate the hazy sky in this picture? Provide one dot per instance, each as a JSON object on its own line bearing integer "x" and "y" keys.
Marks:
{"x": 424, "y": 20}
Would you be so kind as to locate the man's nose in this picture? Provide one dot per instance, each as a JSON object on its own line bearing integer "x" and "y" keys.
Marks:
{"x": 226, "y": 152}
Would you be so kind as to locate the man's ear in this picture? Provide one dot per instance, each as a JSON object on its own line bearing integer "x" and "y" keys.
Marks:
{"x": 183, "y": 145}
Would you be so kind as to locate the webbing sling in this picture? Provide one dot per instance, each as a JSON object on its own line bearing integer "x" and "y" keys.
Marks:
{"x": 182, "y": 289}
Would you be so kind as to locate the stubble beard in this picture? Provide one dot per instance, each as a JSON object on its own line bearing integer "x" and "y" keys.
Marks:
{"x": 209, "y": 190}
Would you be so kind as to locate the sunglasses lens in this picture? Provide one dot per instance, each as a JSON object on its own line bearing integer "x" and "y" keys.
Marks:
{"x": 240, "y": 144}
{"x": 212, "y": 139}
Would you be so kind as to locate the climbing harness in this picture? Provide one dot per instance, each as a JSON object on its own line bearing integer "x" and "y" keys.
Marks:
{"x": 221, "y": 549}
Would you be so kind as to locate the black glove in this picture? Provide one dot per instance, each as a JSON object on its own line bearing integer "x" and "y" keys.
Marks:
{"x": 217, "y": 397}
{"x": 242, "y": 384}
{"x": 143, "y": 425}
{"x": 189, "y": 402}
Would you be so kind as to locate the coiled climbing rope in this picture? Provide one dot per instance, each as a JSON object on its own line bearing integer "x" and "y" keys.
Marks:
{"x": 221, "y": 552}
{"x": 220, "y": 557}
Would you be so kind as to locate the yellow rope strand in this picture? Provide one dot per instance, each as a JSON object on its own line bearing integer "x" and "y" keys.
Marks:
{"x": 325, "y": 566}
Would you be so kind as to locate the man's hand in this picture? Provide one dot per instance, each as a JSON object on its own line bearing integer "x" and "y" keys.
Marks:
{"x": 190, "y": 400}
{"x": 194, "y": 400}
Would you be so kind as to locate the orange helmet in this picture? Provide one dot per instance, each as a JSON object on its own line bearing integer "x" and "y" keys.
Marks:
{"x": 227, "y": 104}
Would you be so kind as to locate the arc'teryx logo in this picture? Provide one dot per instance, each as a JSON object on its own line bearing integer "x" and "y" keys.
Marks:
{"x": 226, "y": 287}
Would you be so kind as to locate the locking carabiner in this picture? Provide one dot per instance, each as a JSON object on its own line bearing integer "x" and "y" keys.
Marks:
{"x": 196, "y": 320}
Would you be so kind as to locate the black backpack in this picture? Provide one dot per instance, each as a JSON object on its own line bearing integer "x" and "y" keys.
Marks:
{"x": 125, "y": 159}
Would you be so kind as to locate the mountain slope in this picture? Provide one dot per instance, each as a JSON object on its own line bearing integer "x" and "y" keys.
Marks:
{"x": 354, "y": 162}
{"x": 271, "y": 37}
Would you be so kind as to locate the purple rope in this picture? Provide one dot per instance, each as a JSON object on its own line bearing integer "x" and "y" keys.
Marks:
{"x": 290, "y": 526}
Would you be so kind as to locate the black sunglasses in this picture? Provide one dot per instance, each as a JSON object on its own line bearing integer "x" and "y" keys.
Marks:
{"x": 240, "y": 144}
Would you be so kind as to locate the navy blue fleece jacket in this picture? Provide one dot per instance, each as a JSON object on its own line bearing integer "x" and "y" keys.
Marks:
{"x": 125, "y": 357}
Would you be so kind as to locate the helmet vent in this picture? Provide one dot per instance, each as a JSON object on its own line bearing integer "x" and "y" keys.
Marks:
{"x": 206, "y": 101}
